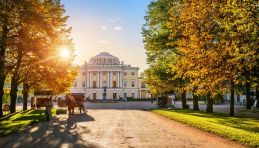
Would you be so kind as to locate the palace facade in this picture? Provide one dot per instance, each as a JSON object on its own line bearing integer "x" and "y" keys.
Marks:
{"x": 104, "y": 77}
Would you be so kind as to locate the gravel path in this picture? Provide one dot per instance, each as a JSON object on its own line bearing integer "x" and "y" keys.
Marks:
{"x": 114, "y": 128}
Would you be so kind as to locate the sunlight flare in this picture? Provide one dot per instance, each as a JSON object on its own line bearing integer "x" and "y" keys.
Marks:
{"x": 65, "y": 53}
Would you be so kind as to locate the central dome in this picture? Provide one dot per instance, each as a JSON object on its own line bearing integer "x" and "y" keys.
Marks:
{"x": 104, "y": 58}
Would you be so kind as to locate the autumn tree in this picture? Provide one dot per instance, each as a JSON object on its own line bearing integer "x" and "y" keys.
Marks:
{"x": 161, "y": 52}
{"x": 42, "y": 33}
{"x": 8, "y": 24}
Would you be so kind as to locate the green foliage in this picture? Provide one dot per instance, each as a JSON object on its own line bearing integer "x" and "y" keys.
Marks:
{"x": 162, "y": 53}
{"x": 14, "y": 122}
{"x": 61, "y": 111}
{"x": 243, "y": 130}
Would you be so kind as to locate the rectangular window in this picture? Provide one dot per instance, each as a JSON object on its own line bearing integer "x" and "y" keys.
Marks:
{"x": 143, "y": 85}
{"x": 125, "y": 95}
{"x": 83, "y": 84}
{"x": 132, "y": 83}
{"x": 132, "y": 73}
{"x": 114, "y": 84}
{"x": 94, "y": 73}
{"x": 75, "y": 84}
{"x": 104, "y": 73}
{"x": 83, "y": 73}
{"x": 104, "y": 84}
{"x": 125, "y": 73}
{"x": 124, "y": 83}
{"x": 133, "y": 95}
{"x": 94, "y": 96}
{"x": 114, "y": 73}
{"x": 114, "y": 95}
{"x": 94, "y": 84}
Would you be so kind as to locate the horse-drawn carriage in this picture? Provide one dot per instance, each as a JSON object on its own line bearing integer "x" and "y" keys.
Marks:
{"x": 42, "y": 99}
{"x": 72, "y": 101}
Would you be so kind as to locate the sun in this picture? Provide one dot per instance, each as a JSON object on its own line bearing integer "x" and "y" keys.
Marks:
{"x": 64, "y": 53}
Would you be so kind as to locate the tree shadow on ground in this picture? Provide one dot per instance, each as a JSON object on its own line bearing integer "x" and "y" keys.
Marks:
{"x": 59, "y": 132}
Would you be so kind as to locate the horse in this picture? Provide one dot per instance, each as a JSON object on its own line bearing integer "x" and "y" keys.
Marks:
{"x": 71, "y": 104}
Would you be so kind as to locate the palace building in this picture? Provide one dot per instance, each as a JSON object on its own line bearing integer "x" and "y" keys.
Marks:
{"x": 104, "y": 77}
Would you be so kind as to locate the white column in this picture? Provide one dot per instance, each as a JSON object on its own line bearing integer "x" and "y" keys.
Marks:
{"x": 89, "y": 79}
{"x": 101, "y": 79}
{"x": 118, "y": 79}
{"x": 121, "y": 74}
{"x": 91, "y": 75}
{"x": 109, "y": 79}
{"x": 98, "y": 84}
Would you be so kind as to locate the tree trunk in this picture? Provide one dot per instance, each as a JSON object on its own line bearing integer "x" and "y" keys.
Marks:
{"x": 195, "y": 102}
{"x": 2, "y": 82}
{"x": 209, "y": 104}
{"x": 257, "y": 93}
{"x": 15, "y": 81}
{"x": 232, "y": 101}
{"x": 3, "y": 46}
{"x": 248, "y": 100}
{"x": 13, "y": 94}
{"x": 25, "y": 93}
{"x": 183, "y": 97}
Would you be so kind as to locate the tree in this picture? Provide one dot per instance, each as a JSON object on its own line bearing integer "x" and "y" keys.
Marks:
{"x": 239, "y": 39}
{"x": 39, "y": 44}
{"x": 8, "y": 17}
{"x": 162, "y": 53}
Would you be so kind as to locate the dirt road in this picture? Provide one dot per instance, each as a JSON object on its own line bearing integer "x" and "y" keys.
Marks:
{"x": 114, "y": 128}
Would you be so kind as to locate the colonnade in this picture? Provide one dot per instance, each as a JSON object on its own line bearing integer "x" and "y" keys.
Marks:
{"x": 99, "y": 75}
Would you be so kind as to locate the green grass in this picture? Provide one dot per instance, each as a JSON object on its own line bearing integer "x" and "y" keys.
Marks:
{"x": 243, "y": 130}
{"x": 14, "y": 122}
{"x": 61, "y": 111}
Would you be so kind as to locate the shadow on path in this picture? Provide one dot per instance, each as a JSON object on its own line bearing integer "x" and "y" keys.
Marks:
{"x": 59, "y": 132}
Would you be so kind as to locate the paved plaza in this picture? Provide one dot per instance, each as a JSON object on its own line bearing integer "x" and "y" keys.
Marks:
{"x": 114, "y": 125}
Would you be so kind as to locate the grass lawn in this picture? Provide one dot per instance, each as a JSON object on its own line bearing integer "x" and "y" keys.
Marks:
{"x": 14, "y": 122}
{"x": 243, "y": 130}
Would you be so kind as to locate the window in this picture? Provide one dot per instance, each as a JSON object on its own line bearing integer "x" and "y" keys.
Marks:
{"x": 124, "y": 83}
{"x": 94, "y": 84}
{"x": 143, "y": 85}
{"x": 83, "y": 73}
{"x": 83, "y": 84}
{"x": 133, "y": 95}
{"x": 125, "y": 73}
{"x": 104, "y": 73}
{"x": 114, "y": 84}
{"x": 94, "y": 73}
{"x": 109, "y": 61}
{"x": 132, "y": 73}
{"x": 94, "y": 96}
{"x": 104, "y": 83}
{"x": 132, "y": 83}
{"x": 114, "y": 73}
{"x": 125, "y": 95}
{"x": 114, "y": 95}
{"x": 75, "y": 84}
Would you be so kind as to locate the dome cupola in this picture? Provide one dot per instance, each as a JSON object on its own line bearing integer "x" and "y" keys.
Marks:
{"x": 104, "y": 58}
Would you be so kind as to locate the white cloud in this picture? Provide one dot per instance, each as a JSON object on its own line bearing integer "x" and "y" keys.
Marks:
{"x": 118, "y": 28}
{"x": 103, "y": 27}
{"x": 102, "y": 42}
{"x": 111, "y": 20}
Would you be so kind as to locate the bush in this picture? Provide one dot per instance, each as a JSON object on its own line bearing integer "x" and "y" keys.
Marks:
{"x": 61, "y": 111}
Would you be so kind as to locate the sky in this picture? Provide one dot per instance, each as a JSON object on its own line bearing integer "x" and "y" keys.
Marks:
{"x": 113, "y": 26}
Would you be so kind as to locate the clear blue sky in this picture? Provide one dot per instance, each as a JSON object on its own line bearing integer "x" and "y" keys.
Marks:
{"x": 108, "y": 25}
